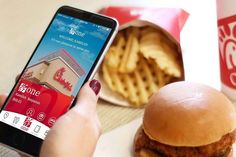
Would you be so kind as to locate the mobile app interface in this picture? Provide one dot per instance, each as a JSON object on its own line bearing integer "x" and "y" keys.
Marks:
{"x": 54, "y": 75}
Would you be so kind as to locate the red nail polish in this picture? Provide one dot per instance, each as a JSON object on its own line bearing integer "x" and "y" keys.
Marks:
{"x": 95, "y": 86}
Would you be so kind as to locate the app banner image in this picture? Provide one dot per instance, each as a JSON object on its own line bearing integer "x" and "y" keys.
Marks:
{"x": 42, "y": 104}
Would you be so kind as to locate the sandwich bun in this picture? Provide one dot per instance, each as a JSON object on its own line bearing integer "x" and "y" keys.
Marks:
{"x": 183, "y": 117}
{"x": 188, "y": 114}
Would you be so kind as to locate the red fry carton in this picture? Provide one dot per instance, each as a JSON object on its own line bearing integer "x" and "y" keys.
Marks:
{"x": 170, "y": 20}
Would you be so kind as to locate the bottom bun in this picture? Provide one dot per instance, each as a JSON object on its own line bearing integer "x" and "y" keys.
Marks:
{"x": 149, "y": 153}
{"x": 145, "y": 152}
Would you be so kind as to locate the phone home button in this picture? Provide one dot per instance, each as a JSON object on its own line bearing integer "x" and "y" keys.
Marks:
{"x": 18, "y": 140}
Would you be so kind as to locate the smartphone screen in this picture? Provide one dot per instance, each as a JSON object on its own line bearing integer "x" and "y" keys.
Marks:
{"x": 55, "y": 73}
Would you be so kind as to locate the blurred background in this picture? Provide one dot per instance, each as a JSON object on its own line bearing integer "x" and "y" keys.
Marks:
{"x": 23, "y": 23}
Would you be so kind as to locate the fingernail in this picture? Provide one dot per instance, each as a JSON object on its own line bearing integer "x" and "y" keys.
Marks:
{"x": 95, "y": 86}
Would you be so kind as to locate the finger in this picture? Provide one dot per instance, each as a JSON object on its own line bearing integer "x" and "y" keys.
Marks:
{"x": 2, "y": 99}
{"x": 88, "y": 96}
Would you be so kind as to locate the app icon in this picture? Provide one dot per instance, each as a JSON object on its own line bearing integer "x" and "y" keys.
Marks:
{"x": 6, "y": 114}
{"x": 72, "y": 31}
{"x": 22, "y": 88}
{"x": 46, "y": 132}
{"x": 16, "y": 120}
{"x": 37, "y": 128}
{"x": 30, "y": 112}
{"x": 51, "y": 121}
{"x": 27, "y": 122}
{"x": 41, "y": 116}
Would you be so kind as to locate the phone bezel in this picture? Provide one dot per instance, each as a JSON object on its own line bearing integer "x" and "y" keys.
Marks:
{"x": 31, "y": 144}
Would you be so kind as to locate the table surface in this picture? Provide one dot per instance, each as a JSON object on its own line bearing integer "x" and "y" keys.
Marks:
{"x": 23, "y": 23}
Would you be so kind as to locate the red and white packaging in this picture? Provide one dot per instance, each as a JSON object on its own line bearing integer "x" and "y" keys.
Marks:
{"x": 226, "y": 12}
{"x": 169, "y": 20}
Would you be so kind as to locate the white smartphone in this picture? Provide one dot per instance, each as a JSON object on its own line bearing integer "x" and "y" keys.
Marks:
{"x": 67, "y": 56}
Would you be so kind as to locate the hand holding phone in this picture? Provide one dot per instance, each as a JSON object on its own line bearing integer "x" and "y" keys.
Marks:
{"x": 72, "y": 126}
{"x": 66, "y": 57}
{"x": 76, "y": 132}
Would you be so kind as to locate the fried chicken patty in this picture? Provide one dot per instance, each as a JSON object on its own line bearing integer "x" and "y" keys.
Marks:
{"x": 217, "y": 149}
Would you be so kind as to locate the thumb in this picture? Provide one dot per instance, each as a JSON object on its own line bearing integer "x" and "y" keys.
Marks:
{"x": 88, "y": 96}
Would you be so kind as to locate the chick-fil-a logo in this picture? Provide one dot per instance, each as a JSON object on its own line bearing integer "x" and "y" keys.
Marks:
{"x": 58, "y": 76}
{"x": 24, "y": 88}
{"x": 227, "y": 43}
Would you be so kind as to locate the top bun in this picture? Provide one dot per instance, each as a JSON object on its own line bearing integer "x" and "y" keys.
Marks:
{"x": 188, "y": 114}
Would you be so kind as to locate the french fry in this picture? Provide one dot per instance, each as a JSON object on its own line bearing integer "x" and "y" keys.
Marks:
{"x": 139, "y": 62}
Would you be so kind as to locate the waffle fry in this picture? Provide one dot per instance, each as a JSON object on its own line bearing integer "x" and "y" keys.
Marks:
{"x": 139, "y": 62}
{"x": 131, "y": 51}
{"x": 122, "y": 50}
{"x": 138, "y": 85}
{"x": 161, "y": 51}
{"x": 115, "y": 52}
